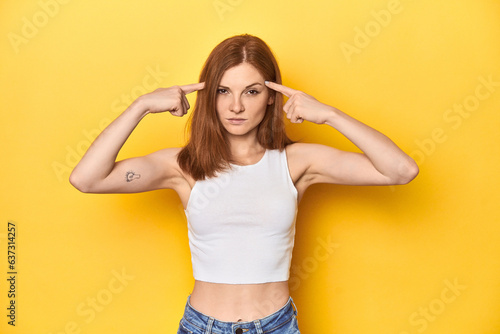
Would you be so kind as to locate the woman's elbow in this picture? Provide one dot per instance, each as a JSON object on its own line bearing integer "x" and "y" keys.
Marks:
{"x": 407, "y": 172}
{"x": 77, "y": 182}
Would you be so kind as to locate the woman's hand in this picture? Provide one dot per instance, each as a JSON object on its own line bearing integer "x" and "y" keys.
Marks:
{"x": 172, "y": 99}
{"x": 301, "y": 106}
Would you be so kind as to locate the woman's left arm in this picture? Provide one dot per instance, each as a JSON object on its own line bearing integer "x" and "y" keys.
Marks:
{"x": 381, "y": 163}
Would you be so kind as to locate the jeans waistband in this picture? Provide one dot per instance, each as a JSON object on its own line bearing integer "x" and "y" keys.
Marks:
{"x": 268, "y": 323}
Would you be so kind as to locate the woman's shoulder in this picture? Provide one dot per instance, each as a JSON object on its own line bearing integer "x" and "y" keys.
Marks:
{"x": 304, "y": 155}
{"x": 168, "y": 154}
{"x": 167, "y": 159}
{"x": 308, "y": 147}
{"x": 300, "y": 150}
{"x": 296, "y": 155}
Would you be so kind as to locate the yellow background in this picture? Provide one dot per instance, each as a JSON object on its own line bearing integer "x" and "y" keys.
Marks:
{"x": 393, "y": 251}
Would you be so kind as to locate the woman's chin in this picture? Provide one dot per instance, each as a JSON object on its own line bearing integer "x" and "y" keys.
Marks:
{"x": 239, "y": 131}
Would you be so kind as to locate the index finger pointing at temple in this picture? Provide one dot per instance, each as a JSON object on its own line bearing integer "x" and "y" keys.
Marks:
{"x": 192, "y": 87}
{"x": 287, "y": 91}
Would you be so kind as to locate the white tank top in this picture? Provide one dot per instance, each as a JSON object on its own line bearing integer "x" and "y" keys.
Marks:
{"x": 241, "y": 223}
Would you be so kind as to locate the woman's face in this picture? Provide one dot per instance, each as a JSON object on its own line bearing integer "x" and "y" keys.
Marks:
{"x": 242, "y": 99}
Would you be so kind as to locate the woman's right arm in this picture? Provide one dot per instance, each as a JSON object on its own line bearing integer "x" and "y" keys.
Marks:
{"x": 98, "y": 171}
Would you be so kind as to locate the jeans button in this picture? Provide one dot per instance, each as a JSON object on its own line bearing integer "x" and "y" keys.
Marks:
{"x": 239, "y": 331}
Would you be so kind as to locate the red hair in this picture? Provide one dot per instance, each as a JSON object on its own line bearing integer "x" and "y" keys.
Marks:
{"x": 207, "y": 151}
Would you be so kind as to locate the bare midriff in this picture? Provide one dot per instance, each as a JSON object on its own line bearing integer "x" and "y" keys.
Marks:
{"x": 239, "y": 302}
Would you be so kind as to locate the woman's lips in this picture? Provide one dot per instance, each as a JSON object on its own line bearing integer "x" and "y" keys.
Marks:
{"x": 236, "y": 121}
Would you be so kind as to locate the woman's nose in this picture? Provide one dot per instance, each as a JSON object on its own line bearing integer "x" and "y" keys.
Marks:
{"x": 236, "y": 105}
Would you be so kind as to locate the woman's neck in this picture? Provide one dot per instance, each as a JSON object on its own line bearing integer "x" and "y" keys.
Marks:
{"x": 245, "y": 150}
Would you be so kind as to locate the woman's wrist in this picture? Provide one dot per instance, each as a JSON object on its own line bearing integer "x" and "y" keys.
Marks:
{"x": 334, "y": 115}
{"x": 137, "y": 109}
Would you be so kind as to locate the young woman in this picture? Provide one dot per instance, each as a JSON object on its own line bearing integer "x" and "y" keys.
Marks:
{"x": 240, "y": 179}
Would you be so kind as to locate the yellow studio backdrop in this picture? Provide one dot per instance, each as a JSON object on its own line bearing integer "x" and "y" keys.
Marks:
{"x": 419, "y": 258}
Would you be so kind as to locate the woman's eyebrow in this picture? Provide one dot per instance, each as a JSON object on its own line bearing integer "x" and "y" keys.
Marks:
{"x": 255, "y": 83}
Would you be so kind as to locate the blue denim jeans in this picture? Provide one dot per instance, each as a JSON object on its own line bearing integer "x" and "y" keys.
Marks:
{"x": 283, "y": 321}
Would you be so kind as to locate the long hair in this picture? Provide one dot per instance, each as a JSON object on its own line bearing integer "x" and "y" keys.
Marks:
{"x": 207, "y": 151}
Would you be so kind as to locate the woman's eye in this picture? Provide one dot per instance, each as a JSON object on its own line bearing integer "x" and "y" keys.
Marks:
{"x": 221, "y": 91}
{"x": 253, "y": 92}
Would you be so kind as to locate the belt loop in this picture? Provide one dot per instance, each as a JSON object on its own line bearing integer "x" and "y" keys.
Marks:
{"x": 209, "y": 325}
{"x": 258, "y": 326}
{"x": 295, "y": 307}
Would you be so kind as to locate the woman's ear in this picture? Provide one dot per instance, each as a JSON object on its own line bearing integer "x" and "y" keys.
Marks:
{"x": 270, "y": 99}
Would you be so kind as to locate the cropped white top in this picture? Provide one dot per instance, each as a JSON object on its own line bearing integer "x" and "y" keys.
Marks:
{"x": 241, "y": 223}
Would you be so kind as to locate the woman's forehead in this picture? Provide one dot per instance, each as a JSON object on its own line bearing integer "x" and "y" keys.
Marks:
{"x": 243, "y": 74}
